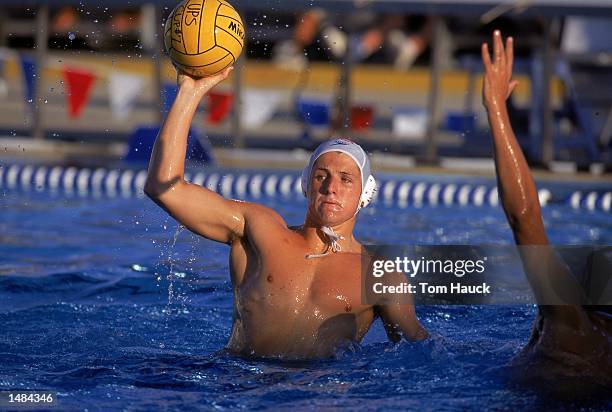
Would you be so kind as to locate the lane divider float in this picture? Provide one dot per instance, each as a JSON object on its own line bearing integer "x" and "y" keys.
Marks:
{"x": 99, "y": 182}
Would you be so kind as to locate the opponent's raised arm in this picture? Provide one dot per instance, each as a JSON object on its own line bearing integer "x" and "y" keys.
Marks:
{"x": 548, "y": 275}
{"x": 516, "y": 188}
{"x": 199, "y": 209}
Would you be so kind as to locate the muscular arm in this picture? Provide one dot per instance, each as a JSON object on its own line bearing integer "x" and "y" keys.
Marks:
{"x": 548, "y": 275}
{"x": 517, "y": 190}
{"x": 199, "y": 209}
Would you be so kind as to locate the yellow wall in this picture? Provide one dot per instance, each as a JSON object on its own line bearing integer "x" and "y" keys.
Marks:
{"x": 322, "y": 77}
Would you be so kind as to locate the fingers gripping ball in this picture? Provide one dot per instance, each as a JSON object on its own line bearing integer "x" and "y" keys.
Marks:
{"x": 203, "y": 37}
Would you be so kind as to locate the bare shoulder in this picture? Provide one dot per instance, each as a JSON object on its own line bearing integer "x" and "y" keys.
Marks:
{"x": 261, "y": 219}
{"x": 255, "y": 212}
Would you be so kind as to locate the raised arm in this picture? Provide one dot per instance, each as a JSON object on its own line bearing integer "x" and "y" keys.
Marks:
{"x": 199, "y": 209}
{"x": 517, "y": 190}
{"x": 550, "y": 278}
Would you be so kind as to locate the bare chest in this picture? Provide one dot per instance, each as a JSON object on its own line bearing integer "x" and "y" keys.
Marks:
{"x": 292, "y": 285}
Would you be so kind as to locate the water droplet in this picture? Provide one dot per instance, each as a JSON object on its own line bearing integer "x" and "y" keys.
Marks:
{"x": 71, "y": 36}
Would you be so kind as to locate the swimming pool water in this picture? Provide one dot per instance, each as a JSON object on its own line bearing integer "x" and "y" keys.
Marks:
{"x": 105, "y": 302}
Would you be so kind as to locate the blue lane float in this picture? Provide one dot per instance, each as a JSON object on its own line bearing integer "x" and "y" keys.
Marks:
{"x": 103, "y": 182}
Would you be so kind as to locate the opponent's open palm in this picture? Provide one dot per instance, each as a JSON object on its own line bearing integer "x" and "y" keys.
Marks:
{"x": 497, "y": 82}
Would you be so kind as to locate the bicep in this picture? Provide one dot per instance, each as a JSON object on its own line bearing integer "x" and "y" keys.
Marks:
{"x": 204, "y": 212}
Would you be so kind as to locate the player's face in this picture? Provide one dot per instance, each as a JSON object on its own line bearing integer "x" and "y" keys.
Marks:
{"x": 335, "y": 189}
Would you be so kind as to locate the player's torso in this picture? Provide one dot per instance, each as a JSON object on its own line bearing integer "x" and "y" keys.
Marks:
{"x": 288, "y": 305}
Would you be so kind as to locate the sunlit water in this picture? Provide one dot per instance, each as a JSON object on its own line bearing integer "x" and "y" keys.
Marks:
{"x": 108, "y": 304}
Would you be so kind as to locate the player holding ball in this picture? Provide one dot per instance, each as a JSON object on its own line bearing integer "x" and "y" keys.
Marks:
{"x": 297, "y": 289}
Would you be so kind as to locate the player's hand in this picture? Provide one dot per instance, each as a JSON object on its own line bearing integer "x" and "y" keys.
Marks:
{"x": 201, "y": 85}
{"x": 497, "y": 82}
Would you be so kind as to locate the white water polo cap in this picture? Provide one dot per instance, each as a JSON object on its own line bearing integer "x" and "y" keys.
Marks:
{"x": 355, "y": 152}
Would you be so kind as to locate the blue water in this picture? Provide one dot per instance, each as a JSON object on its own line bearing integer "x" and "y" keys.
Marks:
{"x": 108, "y": 303}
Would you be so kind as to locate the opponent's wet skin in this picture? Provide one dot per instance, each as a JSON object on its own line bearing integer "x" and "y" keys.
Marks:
{"x": 566, "y": 340}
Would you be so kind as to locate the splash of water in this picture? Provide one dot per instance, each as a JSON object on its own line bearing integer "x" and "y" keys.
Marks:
{"x": 171, "y": 276}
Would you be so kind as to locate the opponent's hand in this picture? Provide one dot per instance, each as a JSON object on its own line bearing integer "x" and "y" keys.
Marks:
{"x": 497, "y": 82}
{"x": 201, "y": 85}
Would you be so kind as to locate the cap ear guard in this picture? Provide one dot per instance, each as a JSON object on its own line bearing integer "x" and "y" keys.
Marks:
{"x": 367, "y": 194}
{"x": 304, "y": 181}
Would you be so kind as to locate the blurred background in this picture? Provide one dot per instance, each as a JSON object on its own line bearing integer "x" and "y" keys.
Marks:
{"x": 88, "y": 83}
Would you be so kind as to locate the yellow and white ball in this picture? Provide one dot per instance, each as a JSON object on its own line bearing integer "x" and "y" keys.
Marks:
{"x": 203, "y": 37}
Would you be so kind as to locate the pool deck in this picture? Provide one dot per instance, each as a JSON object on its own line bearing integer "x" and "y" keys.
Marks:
{"x": 26, "y": 150}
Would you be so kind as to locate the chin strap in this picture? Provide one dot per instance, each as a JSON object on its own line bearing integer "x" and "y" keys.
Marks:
{"x": 333, "y": 243}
